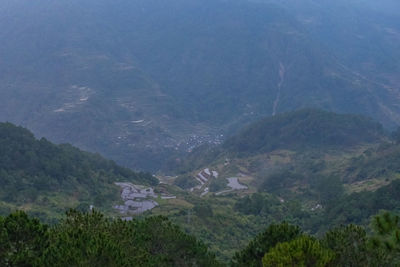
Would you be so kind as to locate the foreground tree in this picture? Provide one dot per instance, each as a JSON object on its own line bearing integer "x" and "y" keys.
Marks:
{"x": 22, "y": 240}
{"x": 83, "y": 239}
{"x": 90, "y": 239}
{"x": 252, "y": 255}
{"x": 302, "y": 251}
{"x": 386, "y": 238}
{"x": 350, "y": 245}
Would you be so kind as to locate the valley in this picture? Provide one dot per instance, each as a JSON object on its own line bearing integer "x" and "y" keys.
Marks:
{"x": 322, "y": 170}
{"x": 199, "y": 133}
{"x": 237, "y": 192}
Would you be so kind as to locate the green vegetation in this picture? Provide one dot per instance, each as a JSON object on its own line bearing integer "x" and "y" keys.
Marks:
{"x": 308, "y": 132}
{"x": 381, "y": 161}
{"x": 257, "y": 204}
{"x": 304, "y": 129}
{"x": 302, "y": 251}
{"x": 89, "y": 239}
{"x": 185, "y": 182}
{"x": 274, "y": 234}
{"x": 317, "y": 189}
{"x": 386, "y": 227}
{"x": 317, "y": 184}
{"x": 217, "y": 185}
{"x": 349, "y": 245}
{"x": 359, "y": 207}
{"x": 45, "y": 179}
{"x": 22, "y": 240}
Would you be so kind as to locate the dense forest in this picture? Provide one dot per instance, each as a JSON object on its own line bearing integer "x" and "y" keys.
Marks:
{"x": 89, "y": 239}
{"x": 307, "y": 128}
{"x": 301, "y": 130}
{"x": 49, "y": 178}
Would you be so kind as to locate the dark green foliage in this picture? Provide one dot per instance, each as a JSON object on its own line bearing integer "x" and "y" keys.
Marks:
{"x": 281, "y": 180}
{"x": 358, "y": 207}
{"x": 84, "y": 239}
{"x": 203, "y": 210}
{"x": 350, "y": 245}
{"x": 22, "y": 240}
{"x": 381, "y": 162}
{"x": 386, "y": 227}
{"x": 171, "y": 247}
{"x": 307, "y": 128}
{"x": 38, "y": 158}
{"x": 185, "y": 182}
{"x": 217, "y": 184}
{"x": 330, "y": 189}
{"x": 274, "y": 234}
{"x": 256, "y": 204}
{"x": 89, "y": 239}
{"x": 303, "y": 251}
{"x": 31, "y": 170}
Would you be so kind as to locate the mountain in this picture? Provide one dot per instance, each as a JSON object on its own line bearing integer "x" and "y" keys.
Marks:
{"x": 305, "y": 129}
{"x": 140, "y": 81}
{"x": 46, "y": 179}
{"x": 314, "y": 185}
{"x": 312, "y": 168}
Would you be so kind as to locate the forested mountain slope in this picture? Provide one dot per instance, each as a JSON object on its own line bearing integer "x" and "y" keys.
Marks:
{"x": 317, "y": 185}
{"x": 313, "y": 168}
{"x": 300, "y": 131}
{"x": 46, "y": 179}
{"x": 305, "y": 129}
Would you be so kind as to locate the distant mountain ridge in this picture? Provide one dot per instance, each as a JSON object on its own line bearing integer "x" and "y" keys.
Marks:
{"x": 138, "y": 80}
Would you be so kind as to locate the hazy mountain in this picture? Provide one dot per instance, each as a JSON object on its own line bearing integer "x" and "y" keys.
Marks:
{"x": 139, "y": 80}
{"x": 298, "y": 131}
{"x": 315, "y": 129}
